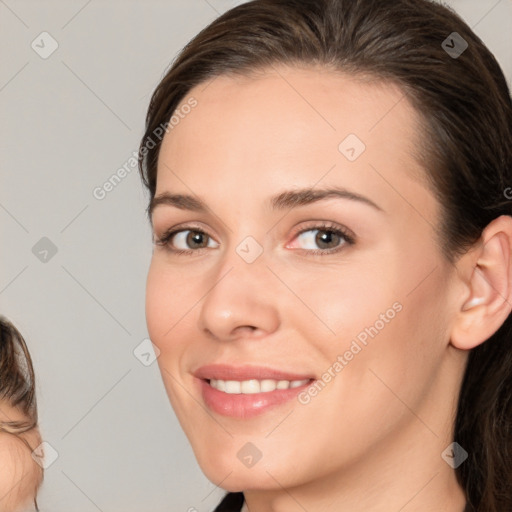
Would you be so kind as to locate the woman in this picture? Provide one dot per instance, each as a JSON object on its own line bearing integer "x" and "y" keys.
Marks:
{"x": 22, "y": 473}
{"x": 331, "y": 284}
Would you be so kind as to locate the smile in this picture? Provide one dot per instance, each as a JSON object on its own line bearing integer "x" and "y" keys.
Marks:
{"x": 253, "y": 386}
{"x": 249, "y": 398}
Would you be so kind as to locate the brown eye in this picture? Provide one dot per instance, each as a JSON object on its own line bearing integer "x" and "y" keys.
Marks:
{"x": 327, "y": 239}
{"x": 196, "y": 239}
{"x": 186, "y": 240}
{"x": 323, "y": 239}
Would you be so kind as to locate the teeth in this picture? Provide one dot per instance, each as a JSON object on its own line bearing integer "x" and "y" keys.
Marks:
{"x": 249, "y": 387}
{"x": 267, "y": 385}
{"x": 232, "y": 386}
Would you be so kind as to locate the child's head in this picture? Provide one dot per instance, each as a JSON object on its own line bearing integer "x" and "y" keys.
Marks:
{"x": 21, "y": 475}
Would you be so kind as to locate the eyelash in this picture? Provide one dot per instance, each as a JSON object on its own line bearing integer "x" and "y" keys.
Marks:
{"x": 322, "y": 226}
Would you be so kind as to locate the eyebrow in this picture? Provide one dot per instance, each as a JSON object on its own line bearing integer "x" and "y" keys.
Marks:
{"x": 281, "y": 201}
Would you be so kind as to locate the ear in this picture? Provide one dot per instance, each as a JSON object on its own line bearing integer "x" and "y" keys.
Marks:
{"x": 489, "y": 280}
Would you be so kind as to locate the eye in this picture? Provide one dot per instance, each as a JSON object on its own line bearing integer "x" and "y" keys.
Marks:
{"x": 327, "y": 237}
{"x": 182, "y": 241}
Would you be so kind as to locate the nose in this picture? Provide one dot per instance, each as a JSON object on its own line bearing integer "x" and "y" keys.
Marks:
{"x": 240, "y": 301}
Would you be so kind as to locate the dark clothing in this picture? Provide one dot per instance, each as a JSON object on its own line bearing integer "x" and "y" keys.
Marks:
{"x": 234, "y": 501}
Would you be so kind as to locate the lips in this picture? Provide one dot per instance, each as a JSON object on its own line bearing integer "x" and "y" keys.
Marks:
{"x": 227, "y": 372}
{"x": 243, "y": 405}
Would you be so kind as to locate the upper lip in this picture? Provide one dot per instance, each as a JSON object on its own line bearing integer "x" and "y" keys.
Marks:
{"x": 247, "y": 372}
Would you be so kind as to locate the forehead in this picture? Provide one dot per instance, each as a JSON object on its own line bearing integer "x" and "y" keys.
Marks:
{"x": 287, "y": 125}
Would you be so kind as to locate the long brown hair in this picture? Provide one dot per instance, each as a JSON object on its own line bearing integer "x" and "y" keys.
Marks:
{"x": 17, "y": 388}
{"x": 466, "y": 151}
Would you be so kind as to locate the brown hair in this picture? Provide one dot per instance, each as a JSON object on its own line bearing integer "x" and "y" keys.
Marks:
{"x": 466, "y": 150}
{"x": 17, "y": 388}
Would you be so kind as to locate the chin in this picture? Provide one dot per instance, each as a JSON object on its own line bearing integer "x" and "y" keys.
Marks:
{"x": 217, "y": 465}
{"x": 240, "y": 479}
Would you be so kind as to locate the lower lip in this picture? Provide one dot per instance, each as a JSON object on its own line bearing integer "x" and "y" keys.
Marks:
{"x": 239, "y": 405}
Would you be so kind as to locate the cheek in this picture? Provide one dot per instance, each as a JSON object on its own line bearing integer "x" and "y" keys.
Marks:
{"x": 155, "y": 302}
{"x": 389, "y": 325}
{"x": 404, "y": 356}
{"x": 170, "y": 313}
{"x": 344, "y": 304}
{"x": 165, "y": 304}
{"x": 168, "y": 298}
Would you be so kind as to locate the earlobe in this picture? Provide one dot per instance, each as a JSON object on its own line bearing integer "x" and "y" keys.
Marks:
{"x": 490, "y": 283}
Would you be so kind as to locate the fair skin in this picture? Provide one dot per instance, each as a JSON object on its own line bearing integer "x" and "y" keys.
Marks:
{"x": 20, "y": 475}
{"x": 371, "y": 440}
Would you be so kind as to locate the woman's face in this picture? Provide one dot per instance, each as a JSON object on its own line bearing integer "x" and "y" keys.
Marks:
{"x": 271, "y": 290}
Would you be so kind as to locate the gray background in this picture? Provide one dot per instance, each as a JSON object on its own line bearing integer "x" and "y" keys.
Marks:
{"x": 68, "y": 122}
